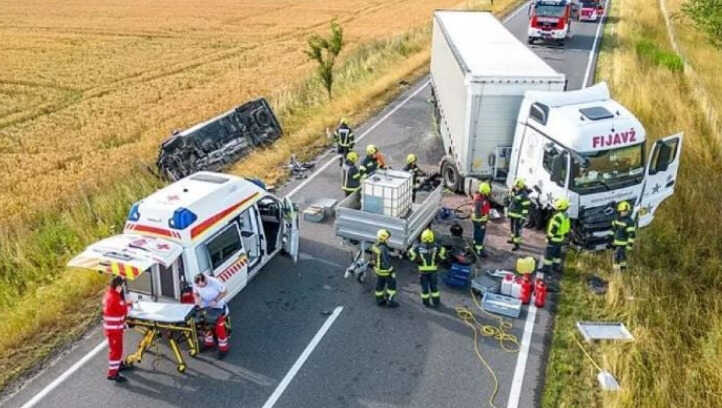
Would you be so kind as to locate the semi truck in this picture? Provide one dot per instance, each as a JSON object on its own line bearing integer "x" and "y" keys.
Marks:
{"x": 503, "y": 114}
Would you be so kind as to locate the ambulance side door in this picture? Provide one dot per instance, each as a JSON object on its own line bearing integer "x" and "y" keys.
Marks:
{"x": 660, "y": 176}
{"x": 226, "y": 258}
{"x": 291, "y": 232}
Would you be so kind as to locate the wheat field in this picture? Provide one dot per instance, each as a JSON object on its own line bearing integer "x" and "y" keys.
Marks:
{"x": 88, "y": 88}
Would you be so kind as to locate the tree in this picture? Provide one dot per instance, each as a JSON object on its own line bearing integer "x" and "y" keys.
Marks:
{"x": 707, "y": 15}
{"x": 324, "y": 51}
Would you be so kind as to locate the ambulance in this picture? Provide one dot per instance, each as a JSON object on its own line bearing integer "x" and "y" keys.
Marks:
{"x": 218, "y": 224}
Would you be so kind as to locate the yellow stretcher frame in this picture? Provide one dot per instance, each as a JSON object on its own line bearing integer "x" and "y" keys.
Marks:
{"x": 175, "y": 333}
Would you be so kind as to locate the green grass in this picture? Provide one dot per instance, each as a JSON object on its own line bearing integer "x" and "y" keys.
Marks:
{"x": 648, "y": 50}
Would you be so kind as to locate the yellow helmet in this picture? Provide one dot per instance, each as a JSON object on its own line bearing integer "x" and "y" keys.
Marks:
{"x": 427, "y": 236}
{"x": 485, "y": 188}
{"x": 352, "y": 157}
{"x": 370, "y": 149}
{"x": 561, "y": 204}
{"x": 623, "y": 206}
{"x": 519, "y": 183}
{"x": 343, "y": 121}
{"x": 383, "y": 235}
{"x": 410, "y": 158}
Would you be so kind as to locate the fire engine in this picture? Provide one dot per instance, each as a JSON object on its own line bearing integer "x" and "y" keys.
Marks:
{"x": 218, "y": 224}
{"x": 591, "y": 10}
{"x": 550, "y": 20}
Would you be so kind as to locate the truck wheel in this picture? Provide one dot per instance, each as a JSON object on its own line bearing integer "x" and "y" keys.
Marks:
{"x": 450, "y": 176}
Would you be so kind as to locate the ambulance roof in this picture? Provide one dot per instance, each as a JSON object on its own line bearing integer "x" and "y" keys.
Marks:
{"x": 588, "y": 119}
{"x": 191, "y": 207}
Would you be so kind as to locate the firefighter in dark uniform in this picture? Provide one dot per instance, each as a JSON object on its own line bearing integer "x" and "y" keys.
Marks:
{"x": 518, "y": 211}
{"x": 351, "y": 175}
{"x": 345, "y": 140}
{"x": 416, "y": 173}
{"x": 557, "y": 232}
{"x": 385, "y": 275}
{"x": 480, "y": 216}
{"x": 427, "y": 255}
{"x": 371, "y": 163}
{"x": 624, "y": 231}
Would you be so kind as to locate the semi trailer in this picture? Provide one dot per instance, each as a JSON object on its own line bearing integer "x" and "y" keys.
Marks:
{"x": 503, "y": 114}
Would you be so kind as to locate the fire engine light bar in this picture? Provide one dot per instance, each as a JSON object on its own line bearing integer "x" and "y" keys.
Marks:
{"x": 134, "y": 214}
{"x": 182, "y": 219}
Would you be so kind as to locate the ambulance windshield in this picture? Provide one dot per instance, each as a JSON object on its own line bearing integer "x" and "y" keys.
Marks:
{"x": 608, "y": 169}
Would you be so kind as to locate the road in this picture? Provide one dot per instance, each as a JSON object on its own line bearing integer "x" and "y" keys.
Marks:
{"x": 365, "y": 356}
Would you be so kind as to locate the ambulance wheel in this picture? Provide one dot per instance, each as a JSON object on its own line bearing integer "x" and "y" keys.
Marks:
{"x": 450, "y": 176}
{"x": 181, "y": 368}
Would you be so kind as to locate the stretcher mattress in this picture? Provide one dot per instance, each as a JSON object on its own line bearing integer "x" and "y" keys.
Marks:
{"x": 161, "y": 312}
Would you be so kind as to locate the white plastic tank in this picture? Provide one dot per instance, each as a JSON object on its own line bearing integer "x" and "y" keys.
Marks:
{"x": 387, "y": 192}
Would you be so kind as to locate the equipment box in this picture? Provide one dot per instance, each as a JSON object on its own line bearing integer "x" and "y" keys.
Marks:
{"x": 387, "y": 192}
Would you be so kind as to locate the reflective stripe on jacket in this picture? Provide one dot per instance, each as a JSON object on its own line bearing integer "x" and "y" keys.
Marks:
{"x": 114, "y": 311}
{"x": 558, "y": 227}
{"x": 427, "y": 256}
{"x": 382, "y": 261}
{"x": 520, "y": 203}
{"x": 344, "y": 137}
{"x": 623, "y": 230}
{"x": 351, "y": 177}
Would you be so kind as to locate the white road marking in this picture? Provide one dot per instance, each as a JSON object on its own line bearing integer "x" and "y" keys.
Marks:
{"x": 364, "y": 134}
{"x": 302, "y": 358}
{"x": 45, "y": 391}
{"x": 597, "y": 36}
{"x": 520, "y": 369}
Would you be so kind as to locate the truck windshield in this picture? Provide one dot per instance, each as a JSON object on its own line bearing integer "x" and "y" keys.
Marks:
{"x": 546, "y": 10}
{"x": 608, "y": 169}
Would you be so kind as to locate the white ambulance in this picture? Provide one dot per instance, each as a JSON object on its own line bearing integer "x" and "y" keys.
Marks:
{"x": 222, "y": 225}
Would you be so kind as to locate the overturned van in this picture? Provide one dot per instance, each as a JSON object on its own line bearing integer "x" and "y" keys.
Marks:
{"x": 218, "y": 224}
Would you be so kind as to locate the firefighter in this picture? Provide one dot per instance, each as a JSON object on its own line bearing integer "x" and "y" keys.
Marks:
{"x": 115, "y": 310}
{"x": 345, "y": 140}
{"x": 351, "y": 174}
{"x": 480, "y": 216}
{"x": 518, "y": 211}
{"x": 623, "y": 234}
{"x": 557, "y": 231}
{"x": 373, "y": 161}
{"x": 416, "y": 173}
{"x": 385, "y": 275}
{"x": 428, "y": 254}
{"x": 208, "y": 294}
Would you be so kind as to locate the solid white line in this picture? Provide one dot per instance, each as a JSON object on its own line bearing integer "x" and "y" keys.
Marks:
{"x": 366, "y": 132}
{"x": 518, "y": 379}
{"x": 302, "y": 359}
{"x": 593, "y": 51}
{"x": 65, "y": 375}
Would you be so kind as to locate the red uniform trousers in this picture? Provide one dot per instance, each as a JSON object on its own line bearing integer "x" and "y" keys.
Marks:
{"x": 115, "y": 351}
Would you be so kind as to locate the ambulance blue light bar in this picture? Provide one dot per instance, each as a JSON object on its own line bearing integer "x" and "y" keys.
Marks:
{"x": 134, "y": 214}
{"x": 182, "y": 219}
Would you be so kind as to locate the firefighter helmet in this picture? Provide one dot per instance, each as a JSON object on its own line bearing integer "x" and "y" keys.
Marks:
{"x": 485, "y": 188}
{"x": 623, "y": 206}
{"x": 519, "y": 183}
{"x": 352, "y": 157}
{"x": 561, "y": 204}
{"x": 343, "y": 121}
{"x": 383, "y": 235}
{"x": 427, "y": 236}
{"x": 370, "y": 149}
{"x": 410, "y": 158}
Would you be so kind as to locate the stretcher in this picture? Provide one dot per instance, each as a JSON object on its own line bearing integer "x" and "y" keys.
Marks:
{"x": 172, "y": 321}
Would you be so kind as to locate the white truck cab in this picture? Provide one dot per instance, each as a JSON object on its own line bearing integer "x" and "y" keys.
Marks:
{"x": 218, "y": 224}
{"x": 585, "y": 146}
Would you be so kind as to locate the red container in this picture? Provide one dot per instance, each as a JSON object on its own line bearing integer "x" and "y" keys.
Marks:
{"x": 526, "y": 288}
{"x": 540, "y": 293}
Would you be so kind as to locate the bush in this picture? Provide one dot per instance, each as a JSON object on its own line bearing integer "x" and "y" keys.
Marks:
{"x": 707, "y": 15}
{"x": 649, "y": 51}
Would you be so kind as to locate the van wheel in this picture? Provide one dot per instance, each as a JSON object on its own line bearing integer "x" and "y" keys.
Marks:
{"x": 450, "y": 176}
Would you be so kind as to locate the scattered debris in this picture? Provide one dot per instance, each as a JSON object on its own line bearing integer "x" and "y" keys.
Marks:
{"x": 319, "y": 210}
{"x": 607, "y": 381}
{"x": 597, "y": 285}
{"x": 604, "y": 331}
{"x": 298, "y": 168}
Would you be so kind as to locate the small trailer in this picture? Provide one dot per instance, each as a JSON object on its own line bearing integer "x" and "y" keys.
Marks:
{"x": 358, "y": 228}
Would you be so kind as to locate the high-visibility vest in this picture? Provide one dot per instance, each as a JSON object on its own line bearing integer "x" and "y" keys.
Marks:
{"x": 344, "y": 136}
{"x": 351, "y": 178}
{"x": 558, "y": 227}
{"x": 427, "y": 256}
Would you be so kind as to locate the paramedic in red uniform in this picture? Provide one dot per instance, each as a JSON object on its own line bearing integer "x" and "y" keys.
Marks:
{"x": 115, "y": 309}
{"x": 208, "y": 293}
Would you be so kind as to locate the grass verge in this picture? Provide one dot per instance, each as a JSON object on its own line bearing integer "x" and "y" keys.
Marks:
{"x": 670, "y": 296}
{"x": 43, "y": 307}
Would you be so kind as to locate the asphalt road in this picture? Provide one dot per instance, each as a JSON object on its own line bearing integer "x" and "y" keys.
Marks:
{"x": 369, "y": 356}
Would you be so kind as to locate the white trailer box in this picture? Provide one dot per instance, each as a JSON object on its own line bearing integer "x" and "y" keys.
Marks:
{"x": 479, "y": 73}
